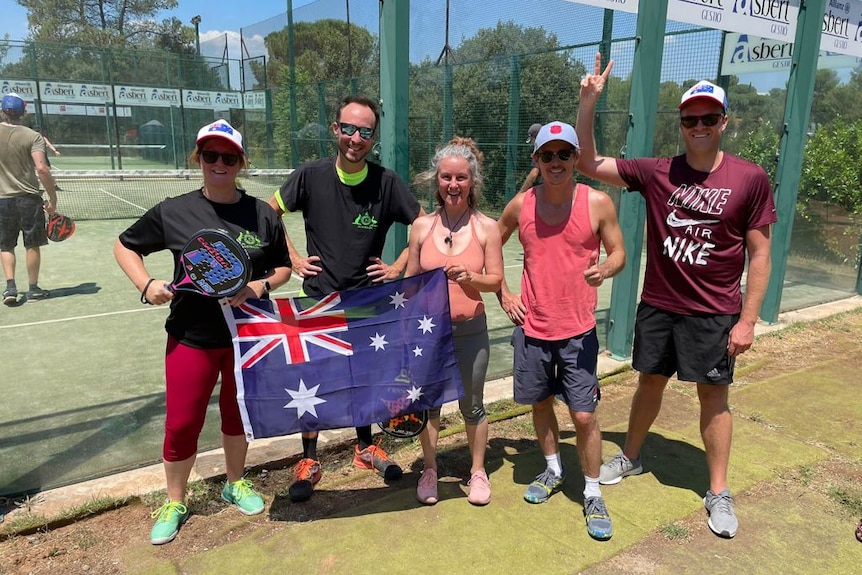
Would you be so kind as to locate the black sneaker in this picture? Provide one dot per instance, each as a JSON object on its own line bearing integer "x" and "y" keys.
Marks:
{"x": 10, "y": 296}
{"x": 37, "y": 293}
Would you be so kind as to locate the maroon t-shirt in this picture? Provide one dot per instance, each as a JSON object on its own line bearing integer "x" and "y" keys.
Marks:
{"x": 696, "y": 226}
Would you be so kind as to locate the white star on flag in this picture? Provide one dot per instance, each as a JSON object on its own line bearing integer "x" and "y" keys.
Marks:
{"x": 413, "y": 393}
{"x": 417, "y": 351}
{"x": 425, "y": 324}
{"x": 378, "y": 342}
{"x": 304, "y": 399}
{"x": 398, "y": 300}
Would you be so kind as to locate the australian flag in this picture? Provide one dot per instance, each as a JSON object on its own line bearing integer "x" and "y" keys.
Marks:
{"x": 346, "y": 359}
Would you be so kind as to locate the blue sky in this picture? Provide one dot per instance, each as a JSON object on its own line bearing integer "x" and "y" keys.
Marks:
{"x": 217, "y": 16}
{"x": 222, "y": 19}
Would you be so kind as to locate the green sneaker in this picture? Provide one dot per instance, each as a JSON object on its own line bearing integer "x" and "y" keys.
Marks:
{"x": 242, "y": 494}
{"x": 169, "y": 518}
{"x": 543, "y": 486}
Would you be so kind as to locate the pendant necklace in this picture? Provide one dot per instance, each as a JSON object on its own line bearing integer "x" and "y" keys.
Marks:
{"x": 448, "y": 239}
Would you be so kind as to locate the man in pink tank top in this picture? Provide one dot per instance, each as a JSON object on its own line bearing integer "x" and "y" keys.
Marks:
{"x": 561, "y": 227}
{"x": 706, "y": 210}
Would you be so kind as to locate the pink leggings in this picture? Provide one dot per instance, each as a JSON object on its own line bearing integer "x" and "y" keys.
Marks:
{"x": 190, "y": 377}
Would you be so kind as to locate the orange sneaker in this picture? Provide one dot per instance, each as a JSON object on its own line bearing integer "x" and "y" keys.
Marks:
{"x": 306, "y": 474}
{"x": 374, "y": 458}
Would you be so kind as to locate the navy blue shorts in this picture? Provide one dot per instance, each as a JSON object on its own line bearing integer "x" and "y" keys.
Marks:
{"x": 693, "y": 347}
{"x": 565, "y": 367}
{"x": 22, "y": 214}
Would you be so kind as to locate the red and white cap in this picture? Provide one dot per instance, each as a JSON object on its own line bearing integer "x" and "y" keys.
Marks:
{"x": 220, "y": 129}
{"x": 556, "y": 131}
{"x": 706, "y": 91}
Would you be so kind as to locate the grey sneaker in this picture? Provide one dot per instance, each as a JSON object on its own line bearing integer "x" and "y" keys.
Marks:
{"x": 599, "y": 524}
{"x": 10, "y": 296}
{"x": 722, "y": 519}
{"x": 620, "y": 466}
{"x": 37, "y": 293}
{"x": 543, "y": 485}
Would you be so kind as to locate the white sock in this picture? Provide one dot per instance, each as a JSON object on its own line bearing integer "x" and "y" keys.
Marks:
{"x": 592, "y": 488}
{"x": 554, "y": 464}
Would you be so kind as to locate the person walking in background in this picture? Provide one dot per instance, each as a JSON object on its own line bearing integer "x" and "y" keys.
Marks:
{"x": 199, "y": 346}
{"x": 534, "y": 177}
{"x": 561, "y": 227}
{"x": 23, "y": 166}
{"x": 53, "y": 149}
{"x": 348, "y": 206}
{"x": 467, "y": 244}
{"x": 48, "y": 143}
{"x": 706, "y": 210}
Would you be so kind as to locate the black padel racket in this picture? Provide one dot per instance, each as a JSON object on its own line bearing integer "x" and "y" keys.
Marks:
{"x": 213, "y": 264}
{"x": 405, "y": 426}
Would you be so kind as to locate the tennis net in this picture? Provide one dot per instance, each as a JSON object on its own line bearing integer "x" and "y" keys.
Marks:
{"x": 117, "y": 194}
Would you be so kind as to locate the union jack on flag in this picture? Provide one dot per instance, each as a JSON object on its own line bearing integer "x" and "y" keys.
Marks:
{"x": 345, "y": 359}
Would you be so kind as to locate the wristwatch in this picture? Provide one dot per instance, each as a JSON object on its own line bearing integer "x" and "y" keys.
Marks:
{"x": 266, "y": 287}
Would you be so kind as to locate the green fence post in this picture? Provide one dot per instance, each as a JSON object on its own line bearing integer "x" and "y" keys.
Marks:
{"x": 321, "y": 117}
{"x": 513, "y": 136}
{"x": 797, "y": 110}
{"x": 448, "y": 87}
{"x": 394, "y": 89}
{"x": 291, "y": 64}
{"x": 643, "y": 103}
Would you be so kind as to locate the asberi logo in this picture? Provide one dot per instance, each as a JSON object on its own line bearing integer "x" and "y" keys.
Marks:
{"x": 762, "y": 51}
{"x": 775, "y": 11}
{"x": 99, "y": 92}
{"x": 836, "y": 24}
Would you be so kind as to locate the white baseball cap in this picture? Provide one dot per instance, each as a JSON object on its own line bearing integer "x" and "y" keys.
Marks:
{"x": 220, "y": 129}
{"x": 704, "y": 90}
{"x": 556, "y": 131}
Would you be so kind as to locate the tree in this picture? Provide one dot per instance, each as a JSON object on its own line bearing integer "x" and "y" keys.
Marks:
{"x": 324, "y": 71}
{"x": 98, "y": 22}
{"x": 484, "y": 64}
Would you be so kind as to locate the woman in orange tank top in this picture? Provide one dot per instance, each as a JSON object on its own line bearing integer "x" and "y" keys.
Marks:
{"x": 467, "y": 245}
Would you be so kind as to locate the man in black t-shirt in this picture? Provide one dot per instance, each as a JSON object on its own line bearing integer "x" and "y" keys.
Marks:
{"x": 348, "y": 206}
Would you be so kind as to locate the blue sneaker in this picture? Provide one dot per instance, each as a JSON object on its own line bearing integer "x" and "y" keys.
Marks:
{"x": 170, "y": 517}
{"x": 543, "y": 486}
{"x": 599, "y": 524}
{"x": 242, "y": 494}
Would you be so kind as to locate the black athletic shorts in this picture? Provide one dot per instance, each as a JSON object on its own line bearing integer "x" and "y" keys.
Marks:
{"x": 693, "y": 347}
{"x": 565, "y": 368}
{"x": 23, "y": 214}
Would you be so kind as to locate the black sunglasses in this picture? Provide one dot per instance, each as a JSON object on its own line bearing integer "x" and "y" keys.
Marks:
{"x": 211, "y": 157}
{"x": 708, "y": 120}
{"x": 350, "y": 129}
{"x": 548, "y": 157}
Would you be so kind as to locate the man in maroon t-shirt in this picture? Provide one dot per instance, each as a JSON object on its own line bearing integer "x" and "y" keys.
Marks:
{"x": 705, "y": 210}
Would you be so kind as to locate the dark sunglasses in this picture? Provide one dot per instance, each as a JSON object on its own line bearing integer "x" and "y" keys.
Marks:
{"x": 211, "y": 157}
{"x": 548, "y": 157}
{"x": 350, "y": 129}
{"x": 708, "y": 120}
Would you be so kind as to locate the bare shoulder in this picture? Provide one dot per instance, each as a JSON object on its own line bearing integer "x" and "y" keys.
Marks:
{"x": 422, "y": 225}
{"x": 599, "y": 199}
{"x": 485, "y": 226}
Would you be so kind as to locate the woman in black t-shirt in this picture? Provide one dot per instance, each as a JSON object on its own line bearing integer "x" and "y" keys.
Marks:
{"x": 199, "y": 347}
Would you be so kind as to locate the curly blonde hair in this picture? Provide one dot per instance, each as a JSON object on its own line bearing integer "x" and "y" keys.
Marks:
{"x": 458, "y": 147}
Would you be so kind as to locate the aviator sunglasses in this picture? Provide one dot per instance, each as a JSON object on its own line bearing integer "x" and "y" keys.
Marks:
{"x": 350, "y": 129}
{"x": 708, "y": 120}
{"x": 548, "y": 157}
{"x": 211, "y": 157}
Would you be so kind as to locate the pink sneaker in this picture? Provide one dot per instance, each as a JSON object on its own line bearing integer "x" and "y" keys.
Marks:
{"x": 426, "y": 491}
{"x": 480, "y": 489}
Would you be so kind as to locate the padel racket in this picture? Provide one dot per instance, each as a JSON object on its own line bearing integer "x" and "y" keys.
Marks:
{"x": 213, "y": 264}
{"x": 59, "y": 227}
{"x": 405, "y": 426}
